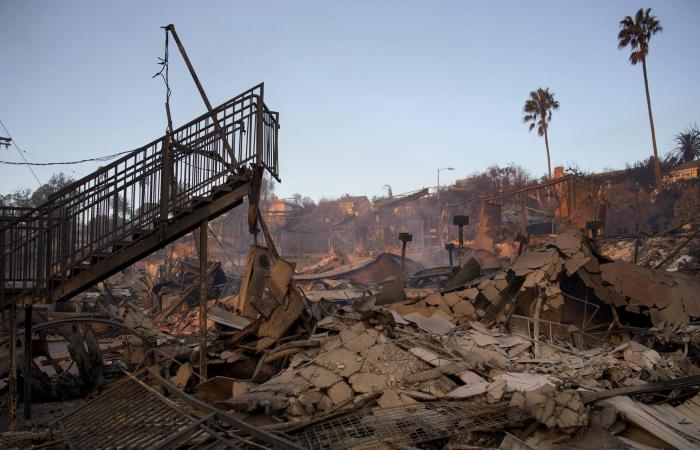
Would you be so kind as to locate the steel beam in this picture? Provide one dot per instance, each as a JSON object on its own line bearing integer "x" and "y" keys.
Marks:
{"x": 203, "y": 297}
{"x": 28, "y": 362}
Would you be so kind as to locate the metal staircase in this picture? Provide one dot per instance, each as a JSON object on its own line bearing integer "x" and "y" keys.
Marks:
{"x": 148, "y": 198}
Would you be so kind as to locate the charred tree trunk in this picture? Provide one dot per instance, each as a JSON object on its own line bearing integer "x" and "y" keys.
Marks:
{"x": 655, "y": 161}
{"x": 546, "y": 143}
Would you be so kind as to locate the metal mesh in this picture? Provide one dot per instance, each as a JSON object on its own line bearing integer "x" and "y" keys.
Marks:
{"x": 412, "y": 424}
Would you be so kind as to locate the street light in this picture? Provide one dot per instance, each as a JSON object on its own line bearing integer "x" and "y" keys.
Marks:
{"x": 438, "y": 196}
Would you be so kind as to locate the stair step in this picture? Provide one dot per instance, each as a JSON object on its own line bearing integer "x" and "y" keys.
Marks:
{"x": 80, "y": 267}
{"x": 236, "y": 178}
{"x": 199, "y": 200}
{"x": 182, "y": 210}
{"x": 137, "y": 234}
{"x": 96, "y": 257}
{"x": 118, "y": 245}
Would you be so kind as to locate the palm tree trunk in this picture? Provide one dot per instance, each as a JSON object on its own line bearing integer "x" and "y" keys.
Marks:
{"x": 655, "y": 162}
{"x": 549, "y": 164}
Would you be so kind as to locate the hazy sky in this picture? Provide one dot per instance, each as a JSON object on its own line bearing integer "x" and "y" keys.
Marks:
{"x": 369, "y": 92}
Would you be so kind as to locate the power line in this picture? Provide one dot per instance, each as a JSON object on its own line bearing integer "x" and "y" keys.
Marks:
{"x": 20, "y": 153}
{"x": 58, "y": 163}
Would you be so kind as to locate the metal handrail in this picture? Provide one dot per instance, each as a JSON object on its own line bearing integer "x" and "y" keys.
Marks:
{"x": 138, "y": 191}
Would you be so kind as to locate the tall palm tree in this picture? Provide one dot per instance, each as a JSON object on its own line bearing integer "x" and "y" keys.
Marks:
{"x": 636, "y": 33}
{"x": 538, "y": 111}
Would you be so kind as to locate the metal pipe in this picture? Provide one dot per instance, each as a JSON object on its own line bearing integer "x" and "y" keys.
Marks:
{"x": 200, "y": 88}
{"x": 28, "y": 362}
{"x": 405, "y": 238}
{"x": 203, "y": 299}
{"x": 12, "y": 379}
{"x": 449, "y": 247}
{"x": 461, "y": 221}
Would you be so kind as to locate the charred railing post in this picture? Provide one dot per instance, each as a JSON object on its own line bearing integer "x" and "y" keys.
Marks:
{"x": 12, "y": 377}
{"x": 3, "y": 264}
{"x": 259, "y": 126}
{"x": 461, "y": 221}
{"x": 593, "y": 228}
{"x": 49, "y": 251}
{"x": 63, "y": 245}
{"x": 203, "y": 231}
{"x": 28, "y": 362}
{"x": 522, "y": 240}
{"x": 405, "y": 238}
{"x": 165, "y": 179}
{"x": 40, "y": 264}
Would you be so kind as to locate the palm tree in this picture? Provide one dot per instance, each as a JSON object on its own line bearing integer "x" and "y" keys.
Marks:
{"x": 636, "y": 33}
{"x": 538, "y": 111}
{"x": 687, "y": 146}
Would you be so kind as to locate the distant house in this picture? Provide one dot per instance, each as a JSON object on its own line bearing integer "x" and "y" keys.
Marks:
{"x": 353, "y": 205}
{"x": 685, "y": 171}
{"x": 279, "y": 210}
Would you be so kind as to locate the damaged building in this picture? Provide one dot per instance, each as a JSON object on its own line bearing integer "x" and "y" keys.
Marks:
{"x": 169, "y": 300}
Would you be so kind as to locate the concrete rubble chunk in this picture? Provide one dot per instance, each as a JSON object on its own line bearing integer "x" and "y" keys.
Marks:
{"x": 360, "y": 342}
{"x": 469, "y": 390}
{"x": 368, "y": 382}
{"x": 341, "y": 361}
{"x": 318, "y": 376}
{"x": 436, "y": 323}
{"x": 340, "y": 393}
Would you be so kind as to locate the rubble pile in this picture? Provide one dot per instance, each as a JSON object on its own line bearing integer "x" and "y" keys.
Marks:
{"x": 563, "y": 345}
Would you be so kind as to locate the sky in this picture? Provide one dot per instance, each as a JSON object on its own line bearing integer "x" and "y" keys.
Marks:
{"x": 369, "y": 92}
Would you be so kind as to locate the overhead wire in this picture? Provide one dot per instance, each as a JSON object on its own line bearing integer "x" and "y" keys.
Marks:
{"x": 58, "y": 163}
{"x": 20, "y": 154}
{"x": 163, "y": 73}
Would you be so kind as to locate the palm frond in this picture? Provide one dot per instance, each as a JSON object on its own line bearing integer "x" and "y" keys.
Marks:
{"x": 636, "y": 33}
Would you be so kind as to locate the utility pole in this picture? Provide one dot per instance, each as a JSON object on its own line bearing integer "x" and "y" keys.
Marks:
{"x": 203, "y": 297}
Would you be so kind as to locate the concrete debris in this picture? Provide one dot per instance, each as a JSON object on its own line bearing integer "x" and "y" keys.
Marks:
{"x": 548, "y": 336}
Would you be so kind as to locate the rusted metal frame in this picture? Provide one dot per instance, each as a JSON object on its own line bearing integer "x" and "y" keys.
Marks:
{"x": 80, "y": 245}
{"x": 95, "y": 408}
{"x": 152, "y": 415}
{"x": 242, "y": 109}
{"x": 275, "y": 440}
{"x": 677, "y": 249}
{"x": 114, "y": 389}
{"x": 188, "y": 429}
{"x": 94, "y": 176}
{"x": 169, "y": 403}
{"x": 208, "y": 138}
{"x": 586, "y": 303}
{"x": 104, "y": 421}
{"x": 92, "y": 319}
{"x": 200, "y": 88}
{"x": 146, "y": 245}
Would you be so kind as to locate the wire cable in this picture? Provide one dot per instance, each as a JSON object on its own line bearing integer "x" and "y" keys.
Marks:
{"x": 58, "y": 163}
{"x": 20, "y": 154}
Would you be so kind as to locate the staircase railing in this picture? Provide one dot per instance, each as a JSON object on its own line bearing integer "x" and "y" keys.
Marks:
{"x": 132, "y": 195}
